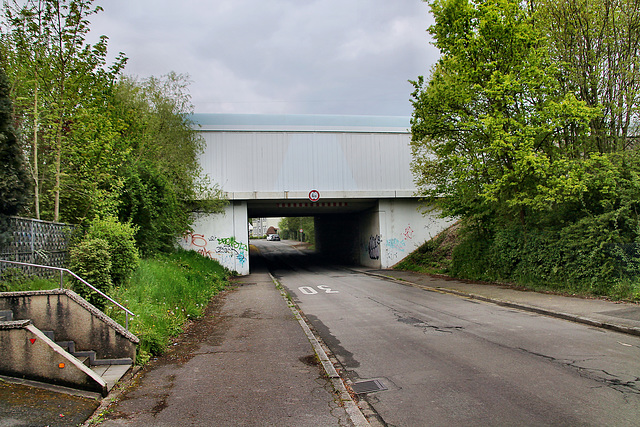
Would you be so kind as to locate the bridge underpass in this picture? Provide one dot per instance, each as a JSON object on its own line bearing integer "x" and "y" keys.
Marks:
{"x": 351, "y": 173}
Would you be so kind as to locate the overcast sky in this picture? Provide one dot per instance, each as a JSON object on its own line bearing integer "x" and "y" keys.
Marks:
{"x": 277, "y": 56}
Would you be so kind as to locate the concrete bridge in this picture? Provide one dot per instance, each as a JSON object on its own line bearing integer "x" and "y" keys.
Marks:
{"x": 351, "y": 173}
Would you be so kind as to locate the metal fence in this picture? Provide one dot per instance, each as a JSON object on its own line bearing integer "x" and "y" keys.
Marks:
{"x": 37, "y": 242}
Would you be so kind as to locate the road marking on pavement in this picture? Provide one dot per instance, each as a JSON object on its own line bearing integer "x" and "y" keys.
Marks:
{"x": 309, "y": 290}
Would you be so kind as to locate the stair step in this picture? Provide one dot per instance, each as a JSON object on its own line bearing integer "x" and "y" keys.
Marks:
{"x": 85, "y": 360}
{"x": 49, "y": 334}
{"x": 122, "y": 361}
{"x": 6, "y": 315}
{"x": 70, "y": 346}
{"x": 111, "y": 374}
{"x": 89, "y": 354}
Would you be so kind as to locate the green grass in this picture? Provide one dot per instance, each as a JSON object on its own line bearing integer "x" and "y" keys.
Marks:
{"x": 13, "y": 280}
{"x": 164, "y": 293}
{"x": 434, "y": 256}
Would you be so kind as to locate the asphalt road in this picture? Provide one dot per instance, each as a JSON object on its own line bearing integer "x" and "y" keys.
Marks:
{"x": 447, "y": 360}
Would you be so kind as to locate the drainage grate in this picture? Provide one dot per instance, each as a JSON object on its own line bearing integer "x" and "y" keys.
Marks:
{"x": 368, "y": 386}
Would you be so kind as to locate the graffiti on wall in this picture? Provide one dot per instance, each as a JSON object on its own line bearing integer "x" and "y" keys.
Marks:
{"x": 396, "y": 246}
{"x": 227, "y": 251}
{"x": 374, "y": 246}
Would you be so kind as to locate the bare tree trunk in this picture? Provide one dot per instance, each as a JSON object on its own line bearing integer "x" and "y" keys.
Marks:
{"x": 58, "y": 167}
{"x": 36, "y": 178}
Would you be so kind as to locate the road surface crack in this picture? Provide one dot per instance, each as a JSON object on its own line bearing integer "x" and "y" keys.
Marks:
{"x": 599, "y": 375}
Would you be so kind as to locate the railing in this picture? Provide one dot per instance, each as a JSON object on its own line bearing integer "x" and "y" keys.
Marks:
{"x": 84, "y": 282}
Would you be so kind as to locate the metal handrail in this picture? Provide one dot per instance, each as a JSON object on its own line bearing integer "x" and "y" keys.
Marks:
{"x": 64, "y": 270}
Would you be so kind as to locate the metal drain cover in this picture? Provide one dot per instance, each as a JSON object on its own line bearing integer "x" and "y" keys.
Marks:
{"x": 368, "y": 386}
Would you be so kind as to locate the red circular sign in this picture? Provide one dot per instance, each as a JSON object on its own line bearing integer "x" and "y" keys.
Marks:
{"x": 314, "y": 195}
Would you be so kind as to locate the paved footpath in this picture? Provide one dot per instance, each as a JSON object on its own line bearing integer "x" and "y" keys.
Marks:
{"x": 248, "y": 362}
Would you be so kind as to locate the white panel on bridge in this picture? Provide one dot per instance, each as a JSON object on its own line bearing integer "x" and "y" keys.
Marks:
{"x": 355, "y": 155}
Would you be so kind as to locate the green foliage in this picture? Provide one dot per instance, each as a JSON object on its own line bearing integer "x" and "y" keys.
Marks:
{"x": 527, "y": 135}
{"x": 59, "y": 81}
{"x": 122, "y": 248}
{"x": 14, "y": 279}
{"x": 164, "y": 293}
{"x": 14, "y": 181}
{"x": 91, "y": 261}
{"x": 101, "y": 144}
{"x": 161, "y": 182}
{"x": 290, "y": 229}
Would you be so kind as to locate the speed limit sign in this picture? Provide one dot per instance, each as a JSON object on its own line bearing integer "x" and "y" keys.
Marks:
{"x": 314, "y": 195}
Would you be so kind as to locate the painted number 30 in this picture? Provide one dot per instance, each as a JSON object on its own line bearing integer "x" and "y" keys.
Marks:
{"x": 308, "y": 290}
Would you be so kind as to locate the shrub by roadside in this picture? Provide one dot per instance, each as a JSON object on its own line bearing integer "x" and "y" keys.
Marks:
{"x": 575, "y": 263}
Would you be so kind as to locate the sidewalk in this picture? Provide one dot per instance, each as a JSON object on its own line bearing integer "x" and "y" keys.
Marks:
{"x": 617, "y": 316}
{"x": 248, "y": 362}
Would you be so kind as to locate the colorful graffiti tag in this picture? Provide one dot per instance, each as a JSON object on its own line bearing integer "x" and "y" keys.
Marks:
{"x": 227, "y": 251}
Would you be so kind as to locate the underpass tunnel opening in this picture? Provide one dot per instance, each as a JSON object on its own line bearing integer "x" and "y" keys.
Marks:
{"x": 337, "y": 224}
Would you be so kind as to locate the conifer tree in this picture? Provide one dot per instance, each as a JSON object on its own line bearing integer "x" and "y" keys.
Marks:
{"x": 14, "y": 181}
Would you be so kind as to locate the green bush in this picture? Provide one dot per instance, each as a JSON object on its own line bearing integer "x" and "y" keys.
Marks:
{"x": 587, "y": 257}
{"x": 122, "y": 246}
{"x": 10, "y": 278}
{"x": 92, "y": 262}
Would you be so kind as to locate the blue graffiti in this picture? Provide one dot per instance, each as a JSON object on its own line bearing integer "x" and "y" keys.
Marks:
{"x": 397, "y": 244}
{"x": 241, "y": 258}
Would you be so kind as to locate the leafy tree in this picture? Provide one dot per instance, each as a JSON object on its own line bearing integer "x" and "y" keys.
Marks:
{"x": 528, "y": 135}
{"x": 57, "y": 76}
{"x": 101, "y": 144}
{"x": 290, "y": 228}
{"x": 486, "y": 126}
{"x": 597, "y": 44}
{"x": 162, "y": 182}
{"x": 14, "y": 182}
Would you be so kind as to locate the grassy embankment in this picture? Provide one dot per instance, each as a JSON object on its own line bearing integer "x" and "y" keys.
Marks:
{"x": 448, "y": 254}
{"x": 164, "y": 293}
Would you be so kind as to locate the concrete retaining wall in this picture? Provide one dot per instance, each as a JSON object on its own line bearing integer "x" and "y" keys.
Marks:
{"x": 71, "y": 318}
{"x": 28, "y": 353}
{"x": 223, "y": 237}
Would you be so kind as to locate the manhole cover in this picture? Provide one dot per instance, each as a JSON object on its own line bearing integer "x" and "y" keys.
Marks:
{"x": 368, "y": 386}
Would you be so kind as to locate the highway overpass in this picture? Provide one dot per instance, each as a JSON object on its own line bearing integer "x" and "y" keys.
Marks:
{"x": 351, "y": 173}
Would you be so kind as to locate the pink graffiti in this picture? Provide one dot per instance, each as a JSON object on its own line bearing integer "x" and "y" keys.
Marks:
{"x": 206, "y": 253}
{"x": 408, "y": 233}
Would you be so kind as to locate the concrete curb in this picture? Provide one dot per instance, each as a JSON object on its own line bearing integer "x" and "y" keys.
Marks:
{"x": 521, "y": 306}
{"x": 355, "y": 414}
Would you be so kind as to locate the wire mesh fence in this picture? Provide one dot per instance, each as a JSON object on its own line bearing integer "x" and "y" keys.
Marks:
{"x": 37, "y": 242}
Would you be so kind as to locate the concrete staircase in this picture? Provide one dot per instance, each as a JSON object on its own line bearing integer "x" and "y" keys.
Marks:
{"x": 110, "y": 370}
{"x": 93, "y": 352}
